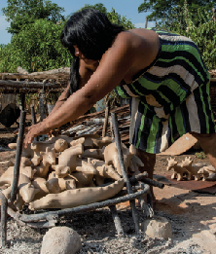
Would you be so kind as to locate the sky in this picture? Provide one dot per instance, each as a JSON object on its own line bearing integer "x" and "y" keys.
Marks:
{"x": 127, "y": 8}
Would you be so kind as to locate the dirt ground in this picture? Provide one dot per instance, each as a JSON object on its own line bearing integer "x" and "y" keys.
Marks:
{"x": 192, "y": 216}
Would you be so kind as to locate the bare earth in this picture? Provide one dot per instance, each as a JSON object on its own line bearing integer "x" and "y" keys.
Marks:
{"x": 191, "y": 214}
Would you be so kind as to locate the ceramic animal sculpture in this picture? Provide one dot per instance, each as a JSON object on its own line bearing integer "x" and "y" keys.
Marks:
{"x": 57, "y": 185}
{"x": 77, "y": 197}
{"x": 61, "y": 170}
{"x": 68, "y": 158}
{"x": 28, "y": 153}
{"x": 192, "y": 168}
{"x": 26, "y": 190}
{"x": 203, "y": 173}
{"x": 49, "y": 158}
{"x": 85, "y": 166}
{"x": 207, "y": 173}
{"x": 33, "y": 150}
{"x": 93, "y": 143}
{"x": 39, "y": 183}
{"x": 52, "y": 140}
{"x": 77, "y": 141}
{"x": 93, "y": 153}
{"x": 104, "y": 171}
{"x": 52, "y": 175}
{"x": 28, "y": 171}
{"x": 17, "y": 205}
{"x": 134, "y": 166}
{"x": 58, "y": 146}
{"x": 111, "y": 156}
{"x": 179, "y": 171}
{"x": 84, "y": 178}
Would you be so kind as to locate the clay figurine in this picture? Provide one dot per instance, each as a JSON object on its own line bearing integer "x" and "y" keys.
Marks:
{"x": 93, "y": 153}
{"x": 77, "y": 197}
{"x": 179, "y": 171}
{"x": 111, "y": 156}
{"x": 26, "y": 190}
{"x": 208, "y": 173}
{"x": 93, "y": 143}
{"x": 49, "y": 158}
{"x": 193, "y": 168}
{"x": 18, "y": 204}
{"x": 26, "y": 170}
{"x": 68, "y": 158}
{"x": 106, "y": 171}
{"x": 57, "y": 185}
{"x": 39, "y": 183}
{"x": 61, "y": 170}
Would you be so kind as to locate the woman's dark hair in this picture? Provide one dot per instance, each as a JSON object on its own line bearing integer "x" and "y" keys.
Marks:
{"x": 93, "y": 34}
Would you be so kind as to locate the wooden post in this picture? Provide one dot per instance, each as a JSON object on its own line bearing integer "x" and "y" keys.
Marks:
{"x": 146, "y": 21}
{"x": 43, "y": 109}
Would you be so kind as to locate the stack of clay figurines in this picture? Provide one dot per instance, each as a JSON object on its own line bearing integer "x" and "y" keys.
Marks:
{"x": 65, "y": 172}
{"x": 187, "y": 170}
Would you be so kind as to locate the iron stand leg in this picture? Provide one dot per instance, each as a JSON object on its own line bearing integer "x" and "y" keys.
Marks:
{"x": 3, "y": 219}
{"x": 117, "y": 221}
{"x": 18, "y": 156}
{"x": 123, "y": 171}
{"x": 42, "y": 100}
{"x": 33, "y": 118}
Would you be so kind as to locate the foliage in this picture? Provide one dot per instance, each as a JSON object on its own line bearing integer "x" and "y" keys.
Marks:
{"x": 113, "y": 16}
{"x": 200, "y": 155}
{"x": 22, "y": 12}
{"x": 170, "y": 10}
{"x": 203, "y": 34}
{"x": 8, "y": 59}
{"x": 36, "y": 47}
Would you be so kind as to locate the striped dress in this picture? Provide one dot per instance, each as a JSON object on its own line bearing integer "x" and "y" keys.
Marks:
{"x": 170, "y": 97}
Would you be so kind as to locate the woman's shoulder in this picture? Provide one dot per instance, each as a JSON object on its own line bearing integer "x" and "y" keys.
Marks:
{"x": 135, "y": 37}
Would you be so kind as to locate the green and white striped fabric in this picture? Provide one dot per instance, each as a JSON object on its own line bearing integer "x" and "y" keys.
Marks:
{"x": 170, "y": 97}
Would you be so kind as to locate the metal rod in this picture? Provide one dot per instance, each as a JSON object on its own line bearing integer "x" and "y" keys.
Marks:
{"x": 106, "y": 119}
{"x": 33, "y": 118}
{"x": 153, "y": 183}
{"x": 42, "y": 100}
{"x": 33, "y": 114}
{"x": 83, "y": 208}
{"x": 117, "y": 221}
{"x": 42, "y": 105}
{"x": 123, "y": 171}
{"x": 3, "y": 219}
{"x": 18, "y": 156}
{"x": 143, "y": 178}
{"x": 22, "y": 100}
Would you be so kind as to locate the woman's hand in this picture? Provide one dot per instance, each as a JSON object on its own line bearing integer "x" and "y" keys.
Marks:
{"x": 33, "y": 131}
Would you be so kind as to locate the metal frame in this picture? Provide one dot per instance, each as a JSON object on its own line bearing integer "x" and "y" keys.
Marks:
{"x": 50, "y": 218}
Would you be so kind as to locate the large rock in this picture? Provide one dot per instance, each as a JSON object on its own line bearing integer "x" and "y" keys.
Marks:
{"x": 61, "y": 240}
{"x": 157, "y": 227}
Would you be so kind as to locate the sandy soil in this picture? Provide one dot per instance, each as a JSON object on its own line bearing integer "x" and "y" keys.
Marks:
{"x": 191, "y": 214}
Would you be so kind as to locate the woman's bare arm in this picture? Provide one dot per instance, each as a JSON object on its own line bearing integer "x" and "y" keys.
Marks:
{"x": 109, "y": 74}
{"x": 119, "y": 60}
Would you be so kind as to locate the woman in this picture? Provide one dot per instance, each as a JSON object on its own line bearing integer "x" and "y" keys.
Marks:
{"x": 162, "y": 73}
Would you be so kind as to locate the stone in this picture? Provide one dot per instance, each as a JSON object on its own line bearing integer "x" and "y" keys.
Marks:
{"x": 61, "y": 240}
{"x": 157, "y": 227}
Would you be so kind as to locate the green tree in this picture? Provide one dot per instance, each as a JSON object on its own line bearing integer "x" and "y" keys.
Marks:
{"x": 113, "y": 16}
{"x": 203, "y": 34}
{"x": 169, "y": 11}
{"x": 37, "y": 47}
{"x": 23, "y": 12}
